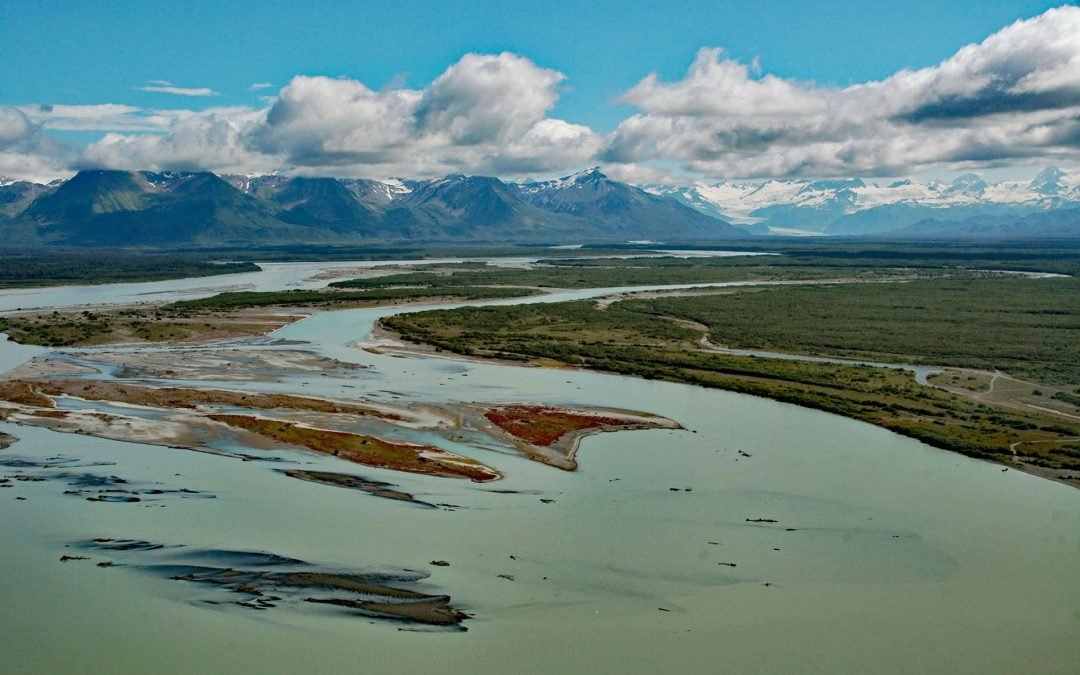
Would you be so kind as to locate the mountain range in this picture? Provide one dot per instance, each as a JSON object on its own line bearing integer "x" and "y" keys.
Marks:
{"x": 968, "y": 206}
{"x": 122, "y": 208}
{"x": 200, "y": 209}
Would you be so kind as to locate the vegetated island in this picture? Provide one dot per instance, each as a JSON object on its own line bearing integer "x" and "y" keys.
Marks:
{"x": 1021, "y": 326}
{"x": 551, "y": 434}
{"x": 198, "y": 418}
{"x": 226, "y": 315}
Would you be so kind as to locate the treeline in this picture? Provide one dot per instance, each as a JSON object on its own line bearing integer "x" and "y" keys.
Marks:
{"x": 609, "y": 273}
{"x": 1062, "y": 257}
{"x": 40, "y": 267}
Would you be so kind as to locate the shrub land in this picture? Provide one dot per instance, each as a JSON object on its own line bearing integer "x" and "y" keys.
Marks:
{"x": 1025, "y": 327}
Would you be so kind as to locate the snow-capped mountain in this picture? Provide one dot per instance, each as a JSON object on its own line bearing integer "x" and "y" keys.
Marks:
{"x": 852, "y": 206}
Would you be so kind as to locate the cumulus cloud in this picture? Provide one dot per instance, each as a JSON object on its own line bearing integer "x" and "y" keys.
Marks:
{"x": 212, "y": 140}
{"x": 28, "y": 154}
{"x": 485, "y": 99}
{"x": 322, "y": 120}
{"x": 1012, "y": 98}
{"x": 15, "y": 127}
{"x": 485, "y": 113}
{"x": 718, "y": 86}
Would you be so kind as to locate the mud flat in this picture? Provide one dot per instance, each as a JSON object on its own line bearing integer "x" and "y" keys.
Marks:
{"x": 257, "y": 580}
{"x": 240, "y": 365}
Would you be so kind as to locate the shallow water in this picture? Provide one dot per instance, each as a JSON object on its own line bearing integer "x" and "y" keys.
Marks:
{"x": 902, "y": 558}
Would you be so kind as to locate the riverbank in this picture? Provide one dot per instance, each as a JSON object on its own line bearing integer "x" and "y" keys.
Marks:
{"x": 657, "y": 338}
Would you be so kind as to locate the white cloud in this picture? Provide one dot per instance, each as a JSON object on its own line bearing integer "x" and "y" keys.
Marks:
{"x": 643, "y": 174}
{"x": 28, "y": 154}
{"x": 718, "y": 86}
{"x": 102, "y": 117}
{"x": 326, "y": 120}
{"x": 486, "y": 113}
{"x": 15, "y": 127}
{"x": 212, "y": 140}
{"x": 1013, "y": 98}
{"x": 487, "y": 99}
{"x": 163, "y": 87}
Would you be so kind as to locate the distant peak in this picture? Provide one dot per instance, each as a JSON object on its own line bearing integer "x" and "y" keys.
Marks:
{"x": 591, "y": 174}
{"x": 1048, "y": 182}
{"x": 968, "y": 182}
{"x": 966, "y": 179}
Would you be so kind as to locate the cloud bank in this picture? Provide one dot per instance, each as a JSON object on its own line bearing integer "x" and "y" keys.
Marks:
{"x": 1012, "y": 99}
{"x": 1015, "y": 97}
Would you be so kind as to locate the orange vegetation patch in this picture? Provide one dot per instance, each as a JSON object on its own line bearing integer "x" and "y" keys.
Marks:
{"x": 363, "y": 449}
{"x": 544, "y": 425}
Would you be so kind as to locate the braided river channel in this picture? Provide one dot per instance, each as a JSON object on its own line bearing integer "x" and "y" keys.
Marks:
{"x": 760, "y": 537}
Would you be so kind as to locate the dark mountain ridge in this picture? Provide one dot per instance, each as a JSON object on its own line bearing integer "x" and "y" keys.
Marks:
{"x": 201, "y": 209}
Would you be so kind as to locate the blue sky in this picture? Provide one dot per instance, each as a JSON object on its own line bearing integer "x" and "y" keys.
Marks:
{"x": 135, "y": 53}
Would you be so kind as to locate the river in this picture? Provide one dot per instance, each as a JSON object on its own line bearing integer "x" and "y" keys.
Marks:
{"x": 886, "y": 555}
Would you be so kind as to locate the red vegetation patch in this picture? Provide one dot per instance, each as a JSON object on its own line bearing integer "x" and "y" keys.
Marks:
{"x": 544, "y": 425}
{"x": 362, "y": 449}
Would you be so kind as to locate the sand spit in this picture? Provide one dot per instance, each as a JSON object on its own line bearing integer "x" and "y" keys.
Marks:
{"x": 375, "y": 488}
{"x": 251, "y": 365}
{"x": 240, "y": 365}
